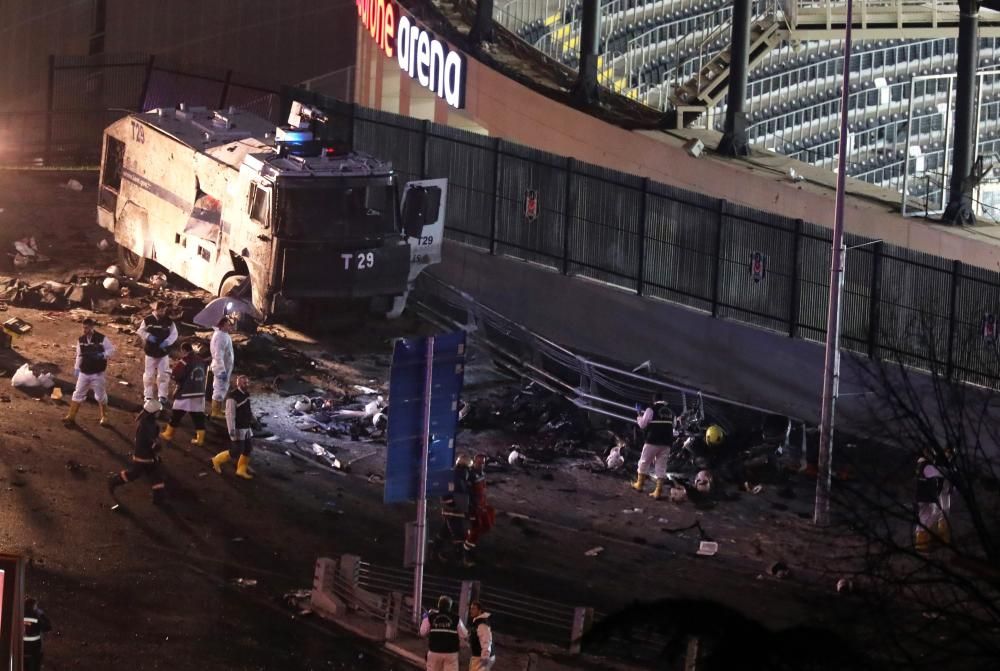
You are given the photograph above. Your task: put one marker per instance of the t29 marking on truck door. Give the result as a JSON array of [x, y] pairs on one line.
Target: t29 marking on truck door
[[365, 260], [138, 132]]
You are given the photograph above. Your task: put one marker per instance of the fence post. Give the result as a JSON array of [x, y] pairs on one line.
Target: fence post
[[141, 104], [956, 276], [50, 101], [567, 215], [351, 125], [795, 294], [225, 89], [347, 573], [394, 606], [425, 135], [496, 196], [716, 279], [875, 302], [469, 593], [583, 618], [641, 274]]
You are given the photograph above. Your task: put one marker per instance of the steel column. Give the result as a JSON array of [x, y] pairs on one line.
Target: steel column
[[734, 137], [482, 29], [585, 89], [959, 210]]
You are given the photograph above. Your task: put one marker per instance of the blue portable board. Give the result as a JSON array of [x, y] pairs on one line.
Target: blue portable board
[[406, 415]]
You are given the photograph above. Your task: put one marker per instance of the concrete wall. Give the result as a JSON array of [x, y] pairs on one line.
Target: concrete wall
[[281, 41], [726, 358]]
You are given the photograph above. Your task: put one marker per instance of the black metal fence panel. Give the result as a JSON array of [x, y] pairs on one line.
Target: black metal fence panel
[[468, 161], [680, 250]]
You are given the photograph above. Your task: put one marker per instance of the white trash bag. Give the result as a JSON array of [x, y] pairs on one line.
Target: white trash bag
[[25, 379]]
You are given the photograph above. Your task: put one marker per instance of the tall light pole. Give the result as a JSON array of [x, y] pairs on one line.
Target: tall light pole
[[831, 367]]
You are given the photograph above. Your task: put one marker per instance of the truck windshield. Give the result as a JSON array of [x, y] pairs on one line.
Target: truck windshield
[[322, 212]]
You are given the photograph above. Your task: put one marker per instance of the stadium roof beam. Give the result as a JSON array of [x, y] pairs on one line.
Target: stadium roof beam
[[881, 19]]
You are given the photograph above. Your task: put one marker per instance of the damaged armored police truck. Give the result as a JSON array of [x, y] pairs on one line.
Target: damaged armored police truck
[[272, 215]]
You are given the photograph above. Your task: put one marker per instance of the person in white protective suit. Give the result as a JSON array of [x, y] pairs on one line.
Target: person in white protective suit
[[933, 501], [158, 333], [222, 365], [93, 350]]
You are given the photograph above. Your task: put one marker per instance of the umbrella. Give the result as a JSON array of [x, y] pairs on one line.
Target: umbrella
[[225, 306]]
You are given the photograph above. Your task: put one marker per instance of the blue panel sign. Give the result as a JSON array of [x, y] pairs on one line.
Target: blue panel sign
[[406, 415]]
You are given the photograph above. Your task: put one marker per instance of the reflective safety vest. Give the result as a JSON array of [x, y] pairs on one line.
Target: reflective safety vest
[[92, 360], [443, 636], [660, 431]]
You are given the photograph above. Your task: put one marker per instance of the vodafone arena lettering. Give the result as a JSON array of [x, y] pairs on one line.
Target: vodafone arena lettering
[[419, 53]]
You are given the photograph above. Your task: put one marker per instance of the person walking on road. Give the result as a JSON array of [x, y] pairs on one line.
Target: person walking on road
[[933, 502], [145, 457], [221, 349], [480, 639], [239, 421], [657, 423], [93, 350], [36, 623], [444, 632], [191, 376], [158, 333]]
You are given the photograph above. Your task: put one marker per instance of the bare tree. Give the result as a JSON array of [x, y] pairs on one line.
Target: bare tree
[[938, 606]]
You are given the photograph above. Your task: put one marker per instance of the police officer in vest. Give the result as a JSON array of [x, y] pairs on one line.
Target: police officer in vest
[[36, 623], [158, 333], [444, 631], [239, 421], [658, 424], [191, 376], [93, 350], [480, 639]]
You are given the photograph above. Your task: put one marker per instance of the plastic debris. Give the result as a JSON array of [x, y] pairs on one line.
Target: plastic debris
[[515, 458], [245, 582], [593, 552], [632, 511], [707, 548], [365, 390], [57, 394], [615, 459], [24, 378], [73, 185], [111, 285], [104, 245]]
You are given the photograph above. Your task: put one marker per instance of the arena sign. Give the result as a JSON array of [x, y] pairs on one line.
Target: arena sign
[[419, 53]]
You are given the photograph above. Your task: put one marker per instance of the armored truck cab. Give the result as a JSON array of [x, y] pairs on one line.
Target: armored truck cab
[[240, 207]]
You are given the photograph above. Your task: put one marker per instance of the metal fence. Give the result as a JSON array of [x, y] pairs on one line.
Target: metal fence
[[726, 259]]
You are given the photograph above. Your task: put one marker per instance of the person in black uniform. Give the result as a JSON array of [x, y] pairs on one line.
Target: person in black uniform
[[444, 632], [158, 333], [239, 420], [454, 509], [145, 458], [36, 623]]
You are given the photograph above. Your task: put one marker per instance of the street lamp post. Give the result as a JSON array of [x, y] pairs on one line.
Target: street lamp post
[[831, 367]]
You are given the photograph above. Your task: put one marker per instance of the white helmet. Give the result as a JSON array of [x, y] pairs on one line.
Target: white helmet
[[152, 406]]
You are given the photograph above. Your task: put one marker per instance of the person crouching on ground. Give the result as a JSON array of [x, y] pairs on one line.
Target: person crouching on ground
[[239, 421], [93, 350], [145, 457], [190, 374], [444, 632]]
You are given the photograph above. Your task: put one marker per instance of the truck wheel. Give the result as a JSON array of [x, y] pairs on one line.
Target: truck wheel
[[131, 264], [237, 286]]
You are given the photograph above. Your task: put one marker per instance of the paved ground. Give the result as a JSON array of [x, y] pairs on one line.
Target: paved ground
[[147, 588]]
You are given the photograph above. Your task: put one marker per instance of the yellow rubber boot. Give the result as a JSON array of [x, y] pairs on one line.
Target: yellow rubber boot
[[103, 408], [241, 467], [70, 417], [639, 483], [217, 411], [199, 438], [922, 540], [218, 460], [168, 432], [942, 531], [657, 492]]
